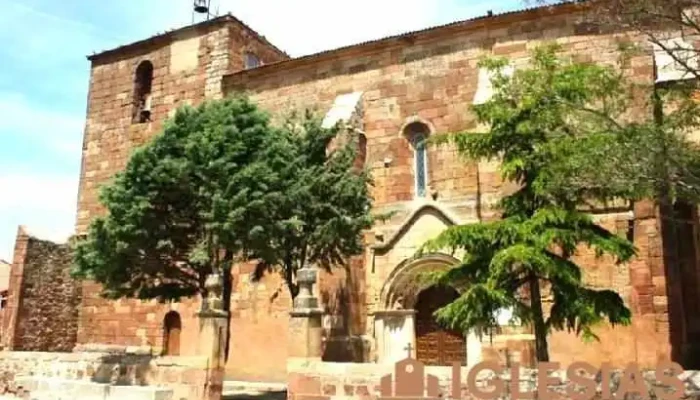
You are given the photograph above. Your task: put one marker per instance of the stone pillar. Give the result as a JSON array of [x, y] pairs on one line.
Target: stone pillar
[[394, 330], [305, 329], [213, 322]]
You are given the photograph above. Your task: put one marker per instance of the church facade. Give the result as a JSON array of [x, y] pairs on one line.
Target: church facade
[[401, 90]]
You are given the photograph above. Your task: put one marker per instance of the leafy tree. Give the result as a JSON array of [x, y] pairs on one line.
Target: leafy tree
[[510, 263], [652, 157], [327, 199], [188, 204], [222, 185]]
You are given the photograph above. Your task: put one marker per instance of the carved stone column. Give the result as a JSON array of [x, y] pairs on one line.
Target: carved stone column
[[212, 336], [305, 329]]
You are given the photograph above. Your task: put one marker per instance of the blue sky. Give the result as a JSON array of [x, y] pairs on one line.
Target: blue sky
[[44, 76]]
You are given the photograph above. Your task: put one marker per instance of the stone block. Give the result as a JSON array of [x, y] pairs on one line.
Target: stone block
[[62, 389], [139, 393]]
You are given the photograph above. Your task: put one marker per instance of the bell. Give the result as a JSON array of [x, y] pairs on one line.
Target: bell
[[200, 6]]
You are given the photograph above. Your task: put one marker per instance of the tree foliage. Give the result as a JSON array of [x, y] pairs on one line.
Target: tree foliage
[[187, 203], [532, 116], [326, 203], [652, 156], [221, 185]]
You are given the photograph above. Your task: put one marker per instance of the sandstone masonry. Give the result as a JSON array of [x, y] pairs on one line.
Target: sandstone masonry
[[427, 79]]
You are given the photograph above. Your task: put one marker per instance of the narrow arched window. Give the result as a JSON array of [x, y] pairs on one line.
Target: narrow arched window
[[417, 133], [251, 60], [361, 158], [172, 327], [143, 82]]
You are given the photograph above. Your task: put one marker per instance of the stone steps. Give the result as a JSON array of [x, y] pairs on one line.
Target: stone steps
[[64, 389], [243, 390], [254, 386]]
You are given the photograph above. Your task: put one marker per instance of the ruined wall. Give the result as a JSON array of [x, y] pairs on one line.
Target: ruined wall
[[432, 77], [43, 302]]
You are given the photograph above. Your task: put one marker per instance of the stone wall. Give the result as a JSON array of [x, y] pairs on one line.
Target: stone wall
[[186, 376], [43, 304], [432, 77], [324, 380]]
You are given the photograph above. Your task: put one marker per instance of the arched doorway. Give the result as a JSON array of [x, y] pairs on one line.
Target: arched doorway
[[172, 326], [436, 345]]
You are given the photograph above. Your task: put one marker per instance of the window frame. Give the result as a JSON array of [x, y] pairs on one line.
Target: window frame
[[412, 132]]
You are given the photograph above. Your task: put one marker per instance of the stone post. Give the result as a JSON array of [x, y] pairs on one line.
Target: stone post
[[212, 336], [305, 330]]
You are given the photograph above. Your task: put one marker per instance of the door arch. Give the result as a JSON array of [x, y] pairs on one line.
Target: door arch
[[435, 344], [172, 327]]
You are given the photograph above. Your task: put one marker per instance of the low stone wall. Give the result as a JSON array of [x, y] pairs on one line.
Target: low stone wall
[[317, 380], [186, 376]]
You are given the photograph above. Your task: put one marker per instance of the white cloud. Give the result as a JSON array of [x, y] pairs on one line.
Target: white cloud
[[44, 203]]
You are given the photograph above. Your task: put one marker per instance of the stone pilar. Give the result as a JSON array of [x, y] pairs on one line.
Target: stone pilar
[[305, 329], [213, 321]]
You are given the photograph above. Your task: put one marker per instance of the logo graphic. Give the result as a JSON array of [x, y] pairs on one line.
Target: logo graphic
[[409, 381]]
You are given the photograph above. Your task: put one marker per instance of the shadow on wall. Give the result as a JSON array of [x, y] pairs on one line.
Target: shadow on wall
[[120, 370], [679, 232], [342, 300]]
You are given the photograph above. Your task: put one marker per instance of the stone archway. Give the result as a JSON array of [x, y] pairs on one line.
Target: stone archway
[[172, 326], [409, 278], [404, 318]]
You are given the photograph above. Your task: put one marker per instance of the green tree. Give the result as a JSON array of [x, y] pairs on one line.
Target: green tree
[[222, 185], [511, 262], [327, 201], [187, 204]]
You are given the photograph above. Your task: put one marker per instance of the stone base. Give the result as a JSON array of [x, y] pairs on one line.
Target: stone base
[[305, 333], [347, 349], [63, 389]]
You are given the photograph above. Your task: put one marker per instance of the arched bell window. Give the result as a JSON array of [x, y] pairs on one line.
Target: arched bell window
[[417, 133], [143, 82], [172, 327], [361, 158]]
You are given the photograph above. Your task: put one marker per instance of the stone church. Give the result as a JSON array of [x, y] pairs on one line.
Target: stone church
[[402, 89]]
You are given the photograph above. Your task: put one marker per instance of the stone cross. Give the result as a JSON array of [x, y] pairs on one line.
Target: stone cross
[[408, 348]]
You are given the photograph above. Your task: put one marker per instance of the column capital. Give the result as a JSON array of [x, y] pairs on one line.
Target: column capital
[[306, 278]]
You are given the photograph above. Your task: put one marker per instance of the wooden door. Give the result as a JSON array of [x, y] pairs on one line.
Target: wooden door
[[436, 345], [173, 327]]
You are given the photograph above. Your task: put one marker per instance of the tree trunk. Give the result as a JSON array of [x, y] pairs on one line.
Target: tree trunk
[[227, 291], [541, 350], [289, 279]]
